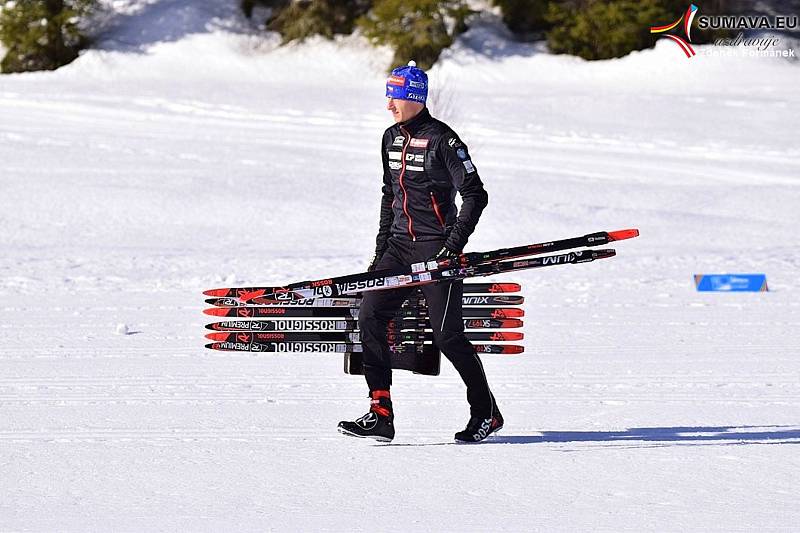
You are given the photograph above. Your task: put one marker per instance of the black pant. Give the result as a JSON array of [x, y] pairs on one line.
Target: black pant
[[444, 306]]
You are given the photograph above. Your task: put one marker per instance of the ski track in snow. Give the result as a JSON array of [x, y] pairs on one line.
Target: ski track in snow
[[638, 405]]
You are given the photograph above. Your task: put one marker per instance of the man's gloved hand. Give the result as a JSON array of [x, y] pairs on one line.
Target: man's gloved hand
[[444, 253], [374, 263]]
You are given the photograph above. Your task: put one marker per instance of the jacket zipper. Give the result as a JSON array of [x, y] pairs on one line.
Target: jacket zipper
[[402, 186], [435, 205]]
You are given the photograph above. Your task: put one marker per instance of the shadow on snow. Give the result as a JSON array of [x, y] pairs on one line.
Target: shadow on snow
[[167, 21], [723, 435]]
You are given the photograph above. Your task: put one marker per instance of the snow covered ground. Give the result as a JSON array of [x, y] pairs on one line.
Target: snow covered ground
[[187, 153]]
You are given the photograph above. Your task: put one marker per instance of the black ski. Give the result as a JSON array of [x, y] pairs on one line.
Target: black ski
[[380, 281], [353, 303], [350, 325], [340, 347], [352, 314], [353, 337], [469, 288], [354, 283]]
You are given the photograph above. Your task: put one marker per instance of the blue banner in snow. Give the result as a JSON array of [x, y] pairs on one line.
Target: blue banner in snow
[[731, 282]]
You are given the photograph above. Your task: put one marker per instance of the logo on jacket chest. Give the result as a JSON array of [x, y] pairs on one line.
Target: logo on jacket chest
[[413, 160]]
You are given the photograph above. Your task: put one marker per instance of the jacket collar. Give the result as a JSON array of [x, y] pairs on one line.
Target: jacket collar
[[420, 118]]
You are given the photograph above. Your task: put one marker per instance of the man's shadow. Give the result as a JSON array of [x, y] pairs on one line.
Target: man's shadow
[[664, 436], [661, 434]]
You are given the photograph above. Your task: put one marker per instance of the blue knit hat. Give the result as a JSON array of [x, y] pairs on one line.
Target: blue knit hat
[[408, 83]]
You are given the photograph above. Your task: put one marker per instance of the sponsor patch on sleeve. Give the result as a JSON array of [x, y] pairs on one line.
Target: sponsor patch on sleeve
[[461, 153], [469, 166], [453, 142]]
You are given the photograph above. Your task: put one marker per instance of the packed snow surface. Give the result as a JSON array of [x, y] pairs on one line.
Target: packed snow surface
[[187, 151]]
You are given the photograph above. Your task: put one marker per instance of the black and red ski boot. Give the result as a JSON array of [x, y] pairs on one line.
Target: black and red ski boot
[[478, 428], [377, 424]]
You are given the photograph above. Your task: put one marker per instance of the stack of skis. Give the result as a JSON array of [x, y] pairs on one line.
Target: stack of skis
[[321, 315], [331, 325]]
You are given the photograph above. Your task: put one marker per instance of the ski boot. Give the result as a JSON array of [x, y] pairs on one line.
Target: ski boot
[[377, 424], [478, 428]]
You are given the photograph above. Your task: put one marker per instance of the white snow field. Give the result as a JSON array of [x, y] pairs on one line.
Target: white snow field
[[186, 152]]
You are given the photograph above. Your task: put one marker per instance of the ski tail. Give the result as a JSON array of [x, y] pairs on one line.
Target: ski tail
[[507, 349], [622, 234], [492, 323]]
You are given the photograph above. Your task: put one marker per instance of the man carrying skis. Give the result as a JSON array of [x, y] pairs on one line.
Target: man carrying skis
[[424, 165]]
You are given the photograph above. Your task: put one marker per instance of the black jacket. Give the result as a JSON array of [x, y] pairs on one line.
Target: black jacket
[[424, 165]]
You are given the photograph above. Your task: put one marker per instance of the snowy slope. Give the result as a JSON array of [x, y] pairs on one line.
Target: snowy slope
[[187, 152]]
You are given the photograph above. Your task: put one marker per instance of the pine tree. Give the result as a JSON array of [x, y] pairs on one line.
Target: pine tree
[[41, 34], [416, 29], [301, 19], [603, 29], [525, 18]]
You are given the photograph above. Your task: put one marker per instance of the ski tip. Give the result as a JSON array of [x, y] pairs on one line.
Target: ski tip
[[483, 323], [246, 296], [604, 253], [226, 302], [221, 293], [216, 311], [623, 234], [509, 349], [221, 346], [508, 313], [513, 349], [230, 336], [503, 287], [501, 336]]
